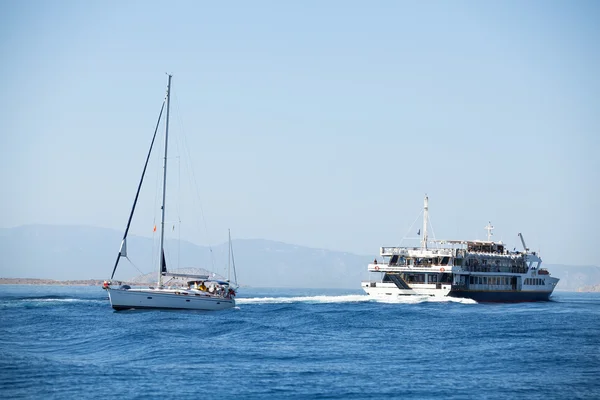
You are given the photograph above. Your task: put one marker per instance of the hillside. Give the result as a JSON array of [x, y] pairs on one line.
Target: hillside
[[76, 252], [67, 253]]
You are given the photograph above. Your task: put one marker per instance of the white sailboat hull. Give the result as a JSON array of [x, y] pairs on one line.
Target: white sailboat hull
[[123, 299]]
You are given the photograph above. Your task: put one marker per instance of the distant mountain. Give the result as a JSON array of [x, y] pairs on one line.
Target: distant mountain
[[81, 253], [575, 278]]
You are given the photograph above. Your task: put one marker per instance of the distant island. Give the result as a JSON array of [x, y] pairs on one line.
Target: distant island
[[32, 281], [591, 288]]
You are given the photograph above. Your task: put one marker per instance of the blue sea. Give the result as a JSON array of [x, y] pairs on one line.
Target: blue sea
[[66, 342]]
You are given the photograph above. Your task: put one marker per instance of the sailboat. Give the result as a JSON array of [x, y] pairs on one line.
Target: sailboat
[[199, 292]]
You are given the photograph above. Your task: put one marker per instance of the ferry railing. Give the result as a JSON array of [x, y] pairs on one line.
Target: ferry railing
[[405, 251], [403, 268]]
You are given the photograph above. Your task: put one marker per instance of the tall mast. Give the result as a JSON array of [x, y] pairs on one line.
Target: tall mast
[[425, 216], [229, 262], [161, 261]]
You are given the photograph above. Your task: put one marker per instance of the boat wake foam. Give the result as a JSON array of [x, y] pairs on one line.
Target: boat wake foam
[[423, 299], [354, 298], [52, 299]]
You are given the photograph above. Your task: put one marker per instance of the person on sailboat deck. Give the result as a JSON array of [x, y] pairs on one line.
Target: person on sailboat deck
[[202, 286]]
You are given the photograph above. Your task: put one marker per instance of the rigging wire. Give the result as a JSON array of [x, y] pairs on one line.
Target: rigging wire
[[178, 211], [411, 227], [194, 184], [433, 233], [135, 266]]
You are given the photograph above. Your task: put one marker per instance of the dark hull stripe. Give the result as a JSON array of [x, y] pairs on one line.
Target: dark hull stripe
[[501, 296]]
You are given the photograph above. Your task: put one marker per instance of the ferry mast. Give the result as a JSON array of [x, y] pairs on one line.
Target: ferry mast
[[425, 217]]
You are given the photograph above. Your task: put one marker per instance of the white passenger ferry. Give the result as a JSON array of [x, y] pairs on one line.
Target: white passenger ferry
[[482, 270]]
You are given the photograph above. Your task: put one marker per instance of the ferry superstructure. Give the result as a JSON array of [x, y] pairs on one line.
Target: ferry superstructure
[[482, 270]]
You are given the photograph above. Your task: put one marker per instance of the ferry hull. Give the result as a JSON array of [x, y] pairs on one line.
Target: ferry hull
[[125, 299], [386, 291]]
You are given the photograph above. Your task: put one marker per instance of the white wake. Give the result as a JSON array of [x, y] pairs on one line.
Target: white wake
[[416, 299], [354, 298]]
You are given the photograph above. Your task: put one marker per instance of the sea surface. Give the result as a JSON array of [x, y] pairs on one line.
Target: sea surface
[[66, 342]]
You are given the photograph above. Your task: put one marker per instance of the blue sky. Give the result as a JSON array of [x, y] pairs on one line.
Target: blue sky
[[315, 123]]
